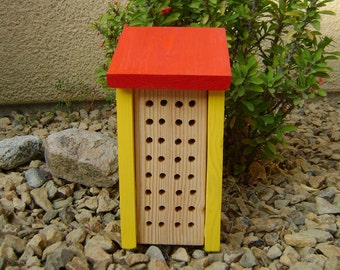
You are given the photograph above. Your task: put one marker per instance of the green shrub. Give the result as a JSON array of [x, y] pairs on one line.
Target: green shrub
[[277, 53]]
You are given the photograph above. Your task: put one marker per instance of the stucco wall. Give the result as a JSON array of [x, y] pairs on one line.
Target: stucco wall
[[330, 26], [46, 41]]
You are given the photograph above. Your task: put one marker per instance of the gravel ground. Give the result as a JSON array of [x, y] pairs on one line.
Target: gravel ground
[[287, 218]]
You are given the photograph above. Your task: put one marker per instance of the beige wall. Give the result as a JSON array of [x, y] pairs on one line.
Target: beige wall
[[46, 41], [330, 26]]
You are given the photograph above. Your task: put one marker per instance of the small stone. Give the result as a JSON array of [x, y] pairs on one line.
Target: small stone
[[327, 193], [217, 266], [76, 236], [100, 241], [156, 264], [105, 203], [236, 239], [59, 258], [41, 198], [198, 254], [95, 127], [328, 250], [332, 263], [266, 225], [248, 259], [135, 258], [51, 189], [155, 253], [289, 256], [325, 207], [38, 244], [319, 235], [19, 150], [52, 234], [274, 252], [279, 204], [49, 215], [271, 238], [297, 240], [14, 242], [77, 263], [97, 256], [19, 204], [34, 177], [180, 255], [60, 204], [215, 257]]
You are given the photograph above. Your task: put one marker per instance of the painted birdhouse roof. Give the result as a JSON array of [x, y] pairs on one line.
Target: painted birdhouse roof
[[184, 58]]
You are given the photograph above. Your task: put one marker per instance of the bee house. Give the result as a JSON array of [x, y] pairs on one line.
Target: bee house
[[170, 84]]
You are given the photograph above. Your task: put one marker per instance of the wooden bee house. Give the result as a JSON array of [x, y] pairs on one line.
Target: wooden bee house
[[170, 112]]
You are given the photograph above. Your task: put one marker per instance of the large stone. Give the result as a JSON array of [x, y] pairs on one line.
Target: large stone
[[84, 157], [19, 150]]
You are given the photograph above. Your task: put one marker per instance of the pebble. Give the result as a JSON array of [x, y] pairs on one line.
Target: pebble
[[290, 222], [34, 177]]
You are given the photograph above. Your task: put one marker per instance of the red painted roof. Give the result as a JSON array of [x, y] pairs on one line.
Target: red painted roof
[[185, 58]]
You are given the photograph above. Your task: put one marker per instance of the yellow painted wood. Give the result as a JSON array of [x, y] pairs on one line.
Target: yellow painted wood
[[214, 170], [126, 163]]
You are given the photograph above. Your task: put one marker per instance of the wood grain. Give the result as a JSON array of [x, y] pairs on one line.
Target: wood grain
[[170, 145]]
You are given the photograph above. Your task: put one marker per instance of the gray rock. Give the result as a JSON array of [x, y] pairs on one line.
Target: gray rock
[[59, 258], [156, 264], [40, 197], [274, 252], [180, 255], [328, 250], [198, 254], [84, 157], [319, 235], [248, 259], [155, 253], [34, 177], [19, 150], [298, 240], [217, 266], [325, 207], [135, 258], [327, 193], [332, 263], [15, 242], [97, 256], [105, 203]]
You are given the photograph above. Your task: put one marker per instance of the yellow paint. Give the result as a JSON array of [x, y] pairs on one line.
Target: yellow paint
[[214, 170], [126, 164]]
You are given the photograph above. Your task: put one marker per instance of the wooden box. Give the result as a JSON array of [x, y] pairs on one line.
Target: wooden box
[[170, 112]]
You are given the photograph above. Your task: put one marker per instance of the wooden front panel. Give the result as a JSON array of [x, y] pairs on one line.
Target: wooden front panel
[[170, 154]]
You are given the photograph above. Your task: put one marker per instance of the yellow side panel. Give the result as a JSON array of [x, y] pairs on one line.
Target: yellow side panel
[[214, 170], [126, 164]]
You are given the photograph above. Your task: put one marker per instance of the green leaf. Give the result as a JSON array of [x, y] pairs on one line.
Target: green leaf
[[173, 17], [249, 105], [288, 128]]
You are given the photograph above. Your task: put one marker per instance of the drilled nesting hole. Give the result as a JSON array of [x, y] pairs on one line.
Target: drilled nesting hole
[[149, 103], [164, 102]]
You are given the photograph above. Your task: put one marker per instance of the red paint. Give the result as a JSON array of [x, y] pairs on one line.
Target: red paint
[[185, 58]]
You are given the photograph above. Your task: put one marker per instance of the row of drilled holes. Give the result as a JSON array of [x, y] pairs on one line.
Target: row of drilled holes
[[163, 175], [177, 159], [177, 224], [162, 121], [164, 102], [177, 208], [162, 140], [178, 192]]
